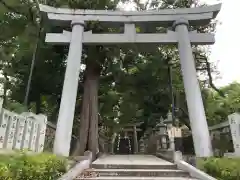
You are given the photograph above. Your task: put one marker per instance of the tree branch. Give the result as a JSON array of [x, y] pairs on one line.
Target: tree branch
[[30, 15], [139, 5], [208, 69], [146, 5], [184, 120], [10, 8], [211, 80]]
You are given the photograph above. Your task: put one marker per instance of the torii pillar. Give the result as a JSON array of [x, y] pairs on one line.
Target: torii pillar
[[69, 93], [198, 121]]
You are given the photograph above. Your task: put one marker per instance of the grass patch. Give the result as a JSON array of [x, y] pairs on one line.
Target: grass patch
[[21, 166], [221, 168]]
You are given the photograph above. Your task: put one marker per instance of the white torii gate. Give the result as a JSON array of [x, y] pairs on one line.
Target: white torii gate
[[178, 19]]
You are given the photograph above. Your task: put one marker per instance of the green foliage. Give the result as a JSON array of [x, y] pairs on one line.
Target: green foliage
[[221, 144], [218, 107], [20, 166], [16, 107], [221, 168]]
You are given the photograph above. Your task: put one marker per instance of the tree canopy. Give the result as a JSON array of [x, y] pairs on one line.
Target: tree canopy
[[217, 107]]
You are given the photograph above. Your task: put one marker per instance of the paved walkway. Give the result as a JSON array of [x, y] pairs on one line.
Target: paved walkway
[[131, 160]]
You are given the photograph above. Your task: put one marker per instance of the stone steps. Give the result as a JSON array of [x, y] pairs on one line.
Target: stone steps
[[137, 178], [130, 166], [140, 172], [133, 167]]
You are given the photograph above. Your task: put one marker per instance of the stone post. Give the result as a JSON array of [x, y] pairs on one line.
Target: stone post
[[177, 156], [69, 92], [146, 141], [159, 140], [201, 138], [171, 138], [1, 111], [135, 139], [113, 139], [170, 127], [141, 146], [234, 123]]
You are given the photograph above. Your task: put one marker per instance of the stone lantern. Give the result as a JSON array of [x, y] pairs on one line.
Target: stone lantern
[[169, 120], [162, 133], [155, 130], [161, 127], [169, 123]]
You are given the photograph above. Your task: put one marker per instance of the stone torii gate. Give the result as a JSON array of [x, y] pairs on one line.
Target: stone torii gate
[[178, 19], [133, 128]]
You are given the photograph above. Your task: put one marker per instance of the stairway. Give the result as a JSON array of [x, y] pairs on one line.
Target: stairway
[[134, 167]]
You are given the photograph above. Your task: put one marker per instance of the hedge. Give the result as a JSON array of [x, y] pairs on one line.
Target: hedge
[[221, 168], [20, 166]]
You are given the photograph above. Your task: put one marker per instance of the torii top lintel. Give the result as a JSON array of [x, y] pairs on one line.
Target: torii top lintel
[[163, 17]]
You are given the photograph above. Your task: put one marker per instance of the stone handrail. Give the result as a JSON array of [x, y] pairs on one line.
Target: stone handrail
[[194, 172], [79, 167]]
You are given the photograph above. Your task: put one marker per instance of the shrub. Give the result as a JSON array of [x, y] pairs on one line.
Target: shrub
[[222, 168], [20, 166]]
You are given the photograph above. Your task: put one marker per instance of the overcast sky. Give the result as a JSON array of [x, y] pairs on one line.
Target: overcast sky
[[225, 50]]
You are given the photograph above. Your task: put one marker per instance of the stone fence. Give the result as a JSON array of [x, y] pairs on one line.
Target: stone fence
[[26, 131], [226, 136], [22, 131]]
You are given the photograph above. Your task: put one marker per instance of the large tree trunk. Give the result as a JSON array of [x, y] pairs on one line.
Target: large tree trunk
[[84, 121], [113, 142], [93, 113], [88, 132]]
